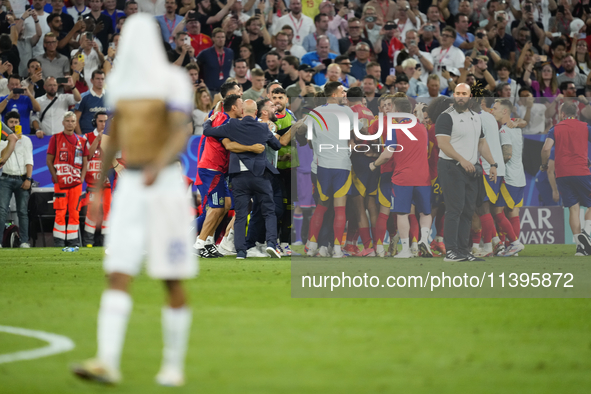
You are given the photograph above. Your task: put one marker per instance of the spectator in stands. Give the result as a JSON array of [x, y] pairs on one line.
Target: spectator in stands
[[447, 55], [382, 48], [428, 42], [347, 45], [289, 66], [258, 85], [39, 17], [406, 20], [35, 78], [504, 43], [464, 39], [321, 25], [26, 41], [433, 90], [302, 25], [304, 86], [480, 70], [546, 83], [111, 53], [53, 63], [242, 72], [203, 104], [67, 170], [295, 49], [571, 74], [110, 10], [208, 21], [21, 101], [337, 24], [64, 37], [434, 18], [103, 24], [273, 62], [536, 28], [233, 40], [533, 113], [411, 50], [362, 59], [168, 22], [319, 59], [52, 107], [503, 72], [199, 41], [401, 84], [369, 85], [347, 79], [92, 57], [77, 73], [558, 51], [131, 7], [281, 42], [67, 19], [482, 47], [92, 102], [580, 50], [373, 68], [523, 41], [184, 53], [416, 86], [257, 36], [79, 9], [16, 179], [333, 73], [216, 62], [247, 54], [372, 26]]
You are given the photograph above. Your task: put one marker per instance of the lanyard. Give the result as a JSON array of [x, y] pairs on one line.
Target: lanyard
[[443, 55], [384, 11], [229, 44], [170, 28], [297, 28]]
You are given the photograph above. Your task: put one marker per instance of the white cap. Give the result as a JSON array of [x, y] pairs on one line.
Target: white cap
[[454, 71], [576, 25]]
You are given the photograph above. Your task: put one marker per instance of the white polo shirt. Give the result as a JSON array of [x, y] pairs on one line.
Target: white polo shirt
[[52, 121]]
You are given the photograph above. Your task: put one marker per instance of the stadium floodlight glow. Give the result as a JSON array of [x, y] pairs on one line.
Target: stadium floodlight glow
[[345, 127]]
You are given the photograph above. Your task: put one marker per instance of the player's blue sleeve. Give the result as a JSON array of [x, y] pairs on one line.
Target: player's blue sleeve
[[589, 130], [551, 134], [551, 154], [392, 141]]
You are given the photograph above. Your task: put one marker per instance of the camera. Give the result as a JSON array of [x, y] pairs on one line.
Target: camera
[[527, 8], [18, 91], [475, 62], [480, 35], [429, 28], [560, 9], [370, 19]]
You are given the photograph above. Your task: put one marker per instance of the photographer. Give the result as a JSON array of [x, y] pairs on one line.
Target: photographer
[[16, 179], [89, 54], [482, 47], [411, 51], [184, 53], [479, 68], [504, 44], [536, 28], [19, 100]]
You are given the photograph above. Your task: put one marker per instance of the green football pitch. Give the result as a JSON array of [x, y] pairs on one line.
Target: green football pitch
[[250, 336]]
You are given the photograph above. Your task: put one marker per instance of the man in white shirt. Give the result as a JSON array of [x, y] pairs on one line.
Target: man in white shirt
[[78, 9], [152, 7], [447, 55], [16, 179], [38, 5], [302, 25], [334, 166], [407, 20], [93, 57], [48, 121], [530, 111]]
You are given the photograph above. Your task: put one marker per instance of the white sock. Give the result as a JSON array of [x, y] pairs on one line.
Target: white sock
[[312, 245], [337, 249], [438, 238], [231, 235], [199, 244], [404, 242], [209, 240], [414, 245], [379, 248], [176, 326], [476, 245], [496, 240], [112, 323], [588, 226], [576, 237], [425, 231], [488, 247]]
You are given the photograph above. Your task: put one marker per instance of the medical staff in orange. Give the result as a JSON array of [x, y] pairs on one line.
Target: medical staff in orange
[[67, 163]]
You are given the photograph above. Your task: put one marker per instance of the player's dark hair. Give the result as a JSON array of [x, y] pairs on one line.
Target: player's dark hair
[[95, 73], [318, 16], [226, 87], [230, 101], [331, 87], [279, 91], [402, 104], [507, 104], [355, 94], [260, 104], [437, 106]]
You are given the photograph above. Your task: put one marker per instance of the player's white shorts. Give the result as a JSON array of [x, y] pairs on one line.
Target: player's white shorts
[[154, 219]]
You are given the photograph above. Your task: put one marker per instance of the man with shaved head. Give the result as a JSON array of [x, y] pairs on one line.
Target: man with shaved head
[[250, 173], [461, 139]]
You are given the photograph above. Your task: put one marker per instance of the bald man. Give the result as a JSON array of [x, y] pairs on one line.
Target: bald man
[[250, 173], [461, 139]]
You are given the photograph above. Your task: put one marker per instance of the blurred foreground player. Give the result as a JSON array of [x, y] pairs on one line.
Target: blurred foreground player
[[151, 211]]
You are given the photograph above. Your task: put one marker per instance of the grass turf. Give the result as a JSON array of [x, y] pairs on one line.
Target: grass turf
[[250, 336]]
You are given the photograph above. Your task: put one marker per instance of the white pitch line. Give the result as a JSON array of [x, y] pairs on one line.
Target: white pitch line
[[57, 344]]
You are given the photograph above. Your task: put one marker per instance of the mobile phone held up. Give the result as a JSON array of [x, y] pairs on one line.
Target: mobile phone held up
[[61, 81], [18, 91]]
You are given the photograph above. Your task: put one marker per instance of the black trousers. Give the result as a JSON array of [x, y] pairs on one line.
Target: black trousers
[[246, 185], [460, 191], [256, 226]]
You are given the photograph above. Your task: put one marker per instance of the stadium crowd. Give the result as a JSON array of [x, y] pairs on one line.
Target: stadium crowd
[[532, 55]]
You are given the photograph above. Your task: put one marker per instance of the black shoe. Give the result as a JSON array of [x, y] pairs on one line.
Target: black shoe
[[585, 241], [206, 254], [471, 257], [453, 256], [213, 250], [581, 251]]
